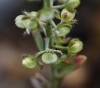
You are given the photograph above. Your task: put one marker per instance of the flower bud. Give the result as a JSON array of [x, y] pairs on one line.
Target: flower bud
[[67, 15], [72, 4], [75, 46], [46, 14], [62, 30], [29, 62], [49, 58]]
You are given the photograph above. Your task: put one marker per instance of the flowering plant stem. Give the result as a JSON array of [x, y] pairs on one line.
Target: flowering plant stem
[[37, 38], [53, 78], [46, 3], [51, 48]]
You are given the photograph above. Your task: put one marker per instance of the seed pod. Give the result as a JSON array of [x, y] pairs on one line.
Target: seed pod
[[22, 23], [49, 58], [26, 23], [33, 25], [62, 30], [46, 14], [72, 4], [19, 21], [33, 14], [29, 62], [75, 46], [67, 15]]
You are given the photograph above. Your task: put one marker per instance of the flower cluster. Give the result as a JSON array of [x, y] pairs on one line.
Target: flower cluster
[[55, 35]]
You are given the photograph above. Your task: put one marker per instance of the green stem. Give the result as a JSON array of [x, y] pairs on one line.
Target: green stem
[[61, 74], [39, 54], [53, 23], [59, 47], [46, 3], [51, 2], [47, 39], [49, 34], [53, 30], [53, 78], [58, 6], [41, 24]]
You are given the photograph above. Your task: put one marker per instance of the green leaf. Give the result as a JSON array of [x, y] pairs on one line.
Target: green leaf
[[38, 39], [62, 58], [65, 70]]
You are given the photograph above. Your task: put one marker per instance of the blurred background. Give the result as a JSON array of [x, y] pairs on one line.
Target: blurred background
[[13, 44]]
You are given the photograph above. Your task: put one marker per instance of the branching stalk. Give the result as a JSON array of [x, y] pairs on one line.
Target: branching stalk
[[58, 6], [46, 3]]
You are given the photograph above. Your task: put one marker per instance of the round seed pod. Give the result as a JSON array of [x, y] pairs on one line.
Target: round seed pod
[[33, 25], [67, 15], [49, 58], [62, 30], [72, 4], [29, 62], [75, 46], [33, 14], [46, 14], [26, 23], [22, 23], [19, 21]]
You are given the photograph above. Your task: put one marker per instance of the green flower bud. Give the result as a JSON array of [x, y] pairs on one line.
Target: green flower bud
[[72, 4], [29, 62], [62, 30], [67, 15], [49, 58], [46, 14], [75, 46]]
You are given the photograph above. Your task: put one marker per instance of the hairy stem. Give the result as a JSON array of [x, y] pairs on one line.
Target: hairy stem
[[53, 23], [53, 78], [47, 39]]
